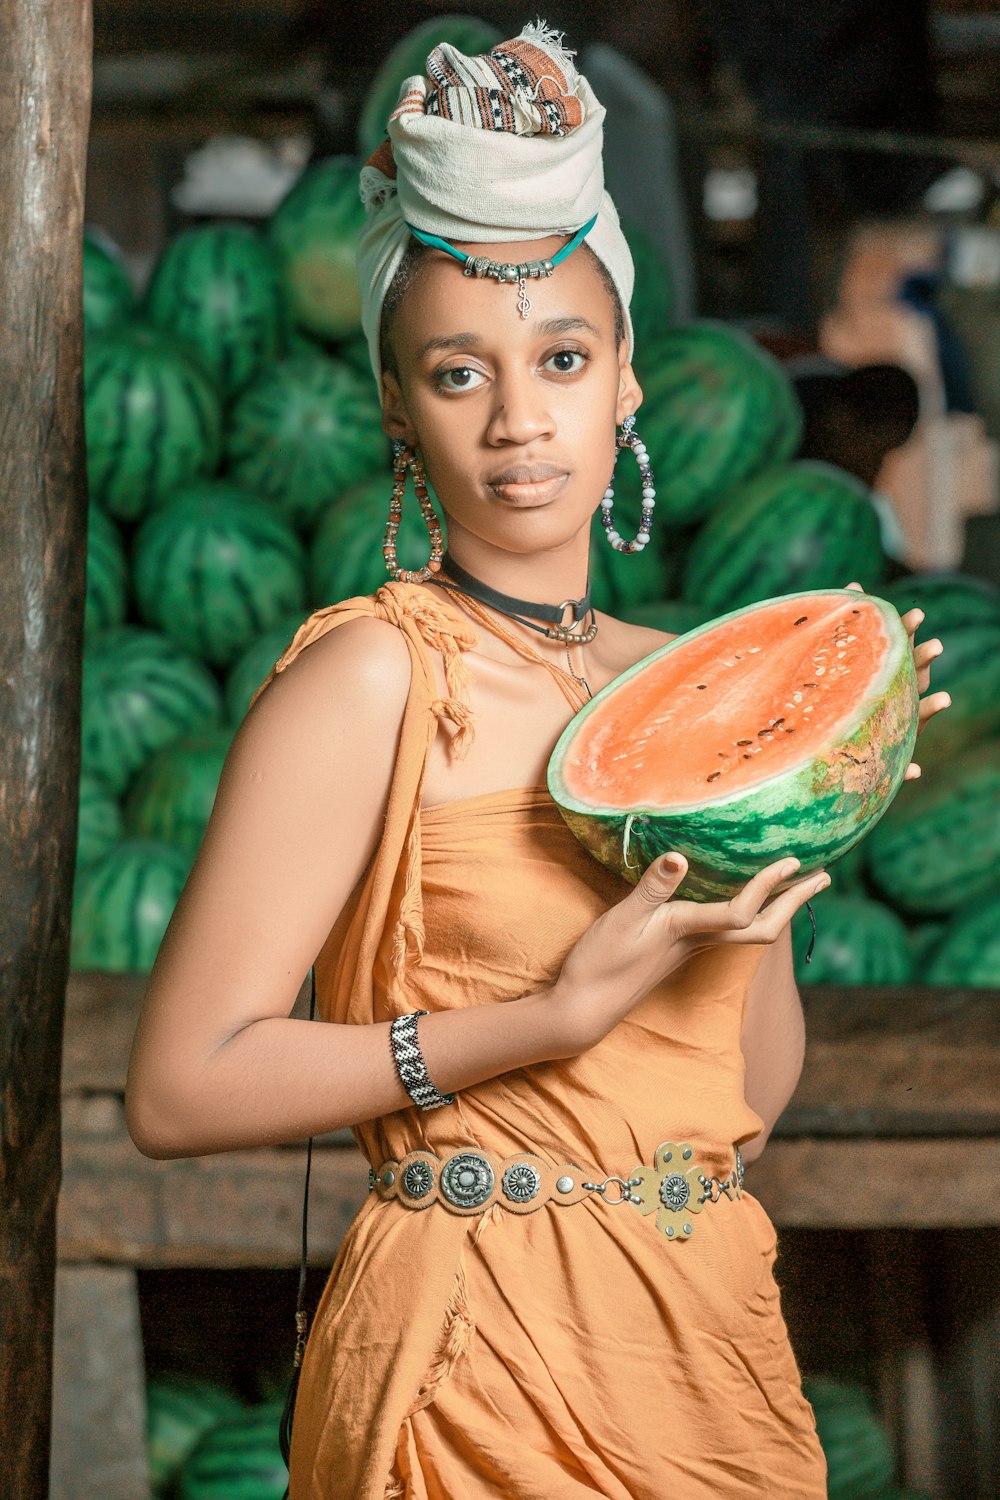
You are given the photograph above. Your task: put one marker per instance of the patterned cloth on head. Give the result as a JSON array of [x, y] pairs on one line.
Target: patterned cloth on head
[[505, 147]]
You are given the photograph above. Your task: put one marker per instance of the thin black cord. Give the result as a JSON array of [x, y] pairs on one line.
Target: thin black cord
[[301, 1320]]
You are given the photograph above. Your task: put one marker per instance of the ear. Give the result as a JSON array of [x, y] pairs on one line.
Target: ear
[[629, 389], [395, 419]]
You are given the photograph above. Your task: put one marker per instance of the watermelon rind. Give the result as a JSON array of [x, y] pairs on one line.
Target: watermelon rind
[[814, 814], [179, 1408], [252, 667], [99, 818], [940, 848], [408, 57], [800, 526], [858, 941], [107, 573], [237, 1459], [962, 612], [122, 904], [314, 232], [172, 797], [108, 295], [967, 950]]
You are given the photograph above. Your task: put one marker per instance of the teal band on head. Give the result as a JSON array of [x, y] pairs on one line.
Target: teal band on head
[[439, 244]]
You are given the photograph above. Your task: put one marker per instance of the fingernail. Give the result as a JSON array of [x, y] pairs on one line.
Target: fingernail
[[789, 867], [821, 885]]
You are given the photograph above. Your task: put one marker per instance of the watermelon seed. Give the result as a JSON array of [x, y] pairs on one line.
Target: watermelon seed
[[764, 731], [743, 742], [702, 685], [789, 731], [775, 722], [746, 755], [810, 684], [855, 611], [802, 620], [713, 776]]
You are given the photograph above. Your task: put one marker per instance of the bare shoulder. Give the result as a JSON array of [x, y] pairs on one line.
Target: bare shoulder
[[362, 666], [628, 644]]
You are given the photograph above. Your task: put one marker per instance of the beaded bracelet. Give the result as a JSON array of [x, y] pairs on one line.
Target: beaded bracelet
[[410, 1063]]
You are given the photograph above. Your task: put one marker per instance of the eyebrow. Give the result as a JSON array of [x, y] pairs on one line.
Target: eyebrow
[[545, 329]]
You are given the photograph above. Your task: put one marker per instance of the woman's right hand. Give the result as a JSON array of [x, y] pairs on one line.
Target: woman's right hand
[[641, 940]]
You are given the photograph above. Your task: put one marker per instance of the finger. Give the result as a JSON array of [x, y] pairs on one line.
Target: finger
[[738, 913], [659, 880], [912, 772], [935, 704], [856, 586], [778, 912]]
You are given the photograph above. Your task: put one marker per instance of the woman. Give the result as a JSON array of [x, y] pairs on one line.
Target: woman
[[500, 1321]]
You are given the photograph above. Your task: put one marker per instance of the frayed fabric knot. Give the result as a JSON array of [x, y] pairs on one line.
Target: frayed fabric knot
[[460, 714]]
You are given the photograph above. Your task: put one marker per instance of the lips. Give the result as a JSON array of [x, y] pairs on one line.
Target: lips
[[528, 483]]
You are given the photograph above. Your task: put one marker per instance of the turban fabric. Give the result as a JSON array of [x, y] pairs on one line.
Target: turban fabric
[[505, 147]]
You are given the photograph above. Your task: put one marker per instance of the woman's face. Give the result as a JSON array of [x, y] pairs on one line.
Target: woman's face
[[484, 392]]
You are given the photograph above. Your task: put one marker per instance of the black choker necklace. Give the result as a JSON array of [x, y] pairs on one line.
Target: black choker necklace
[[507, 605]]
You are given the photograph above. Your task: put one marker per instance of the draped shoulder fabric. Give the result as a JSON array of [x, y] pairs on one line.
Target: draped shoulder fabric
[[573, 1351]]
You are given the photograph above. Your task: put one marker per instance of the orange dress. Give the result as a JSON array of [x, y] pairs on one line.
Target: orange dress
[[572, 1351]]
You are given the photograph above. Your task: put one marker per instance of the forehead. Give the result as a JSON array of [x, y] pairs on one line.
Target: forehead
[[442, 299]]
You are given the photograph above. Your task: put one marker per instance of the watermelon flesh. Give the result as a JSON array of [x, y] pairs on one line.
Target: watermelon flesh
[[781, 729]]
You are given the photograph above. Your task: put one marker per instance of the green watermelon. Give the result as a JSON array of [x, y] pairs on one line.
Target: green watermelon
[[409, 56], [968, 949], [925, 939], [314, 231], [345, 555], [172, 797], [107, 573], [250, 669], [716, 408], [849, 870], [652, 305], [307, 430], [99, 822], [122, 904], [940, 845], [153, 419], [108, 296], [858, 941], [673, 616], [964, 614], [237, 1459], [860, 1461], [634, 773], [179, 1408], [217, 287], [621, 580], [215, 567], [797, 526], [140, 691]]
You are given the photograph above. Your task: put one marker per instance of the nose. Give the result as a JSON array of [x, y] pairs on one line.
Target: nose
[[520, 413]]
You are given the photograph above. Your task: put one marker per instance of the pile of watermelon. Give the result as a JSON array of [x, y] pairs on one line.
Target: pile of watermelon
[[240, 479], [204, 1443], [860, 1461]]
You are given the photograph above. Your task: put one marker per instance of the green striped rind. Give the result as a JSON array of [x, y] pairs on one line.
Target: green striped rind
[[409, 56], [940, 845], [967, 950], [304, 432], [153, 418], [179, 1408], [252, 667], [172, 797], [345, 555], [140, 691], [858, 941], [215, 567], [620, 580], [238, 1459], [964, 614], [673, 616], [107, 573], [652, 306], [716, 408], [805, 525], [122, 904], [99, 822], [108, 297], [815, 812], [859, 1457], [217, 287], [315, 231]]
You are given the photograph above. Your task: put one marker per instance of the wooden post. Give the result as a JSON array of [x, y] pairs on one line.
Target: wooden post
[[44, 120]]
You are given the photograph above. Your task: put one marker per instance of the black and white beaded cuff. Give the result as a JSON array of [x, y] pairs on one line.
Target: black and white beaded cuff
[[410, 1063]]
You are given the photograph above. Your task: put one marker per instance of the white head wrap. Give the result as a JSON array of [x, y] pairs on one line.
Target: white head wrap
[[523, 175]]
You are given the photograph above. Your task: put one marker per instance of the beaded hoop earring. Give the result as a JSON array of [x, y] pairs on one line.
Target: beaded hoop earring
[[402, 458], [628, 438]]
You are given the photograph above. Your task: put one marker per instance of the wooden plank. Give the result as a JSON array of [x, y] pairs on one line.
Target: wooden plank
[[243, 1208], [879, 1062], [858, 1184]]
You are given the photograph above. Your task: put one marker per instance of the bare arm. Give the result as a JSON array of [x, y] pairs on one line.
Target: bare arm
[[772, 1039], [217, 1061]]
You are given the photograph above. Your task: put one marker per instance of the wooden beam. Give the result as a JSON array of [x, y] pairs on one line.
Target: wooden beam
[[44, 113]]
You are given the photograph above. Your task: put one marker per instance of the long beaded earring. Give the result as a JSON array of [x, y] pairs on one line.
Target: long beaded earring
[[402, 458], [628, 438]]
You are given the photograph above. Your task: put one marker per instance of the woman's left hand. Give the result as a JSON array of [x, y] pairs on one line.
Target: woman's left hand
[[923, 655]]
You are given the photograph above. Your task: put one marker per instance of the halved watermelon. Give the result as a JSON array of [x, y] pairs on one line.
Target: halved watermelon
[[784, 728]]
